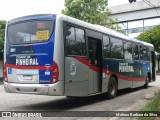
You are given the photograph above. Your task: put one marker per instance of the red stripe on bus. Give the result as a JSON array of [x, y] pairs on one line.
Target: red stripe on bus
[[29, 67], [123, 76], [86, 62], [82, 60], [96, 69]]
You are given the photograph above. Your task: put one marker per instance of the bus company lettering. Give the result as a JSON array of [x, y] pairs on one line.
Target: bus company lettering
[[124, 67], [26, 60]]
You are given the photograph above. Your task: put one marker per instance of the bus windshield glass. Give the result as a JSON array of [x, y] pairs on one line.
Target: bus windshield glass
[[30, 32]]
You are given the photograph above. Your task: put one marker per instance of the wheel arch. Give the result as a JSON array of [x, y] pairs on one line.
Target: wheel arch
[[112, 86]]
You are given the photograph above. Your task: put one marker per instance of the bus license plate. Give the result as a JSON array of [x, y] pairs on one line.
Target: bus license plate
[[27, 77]]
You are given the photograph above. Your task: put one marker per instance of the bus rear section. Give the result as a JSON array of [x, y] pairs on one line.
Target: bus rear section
[[29, 65]]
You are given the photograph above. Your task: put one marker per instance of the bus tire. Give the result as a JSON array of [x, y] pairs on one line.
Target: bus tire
[[112, 88], [146, 82]]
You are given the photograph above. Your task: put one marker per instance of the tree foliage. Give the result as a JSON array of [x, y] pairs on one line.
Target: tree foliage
[[152, 36], [92, 11], [2, 36]]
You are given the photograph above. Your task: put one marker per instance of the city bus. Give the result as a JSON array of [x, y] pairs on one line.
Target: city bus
[[57, 55]]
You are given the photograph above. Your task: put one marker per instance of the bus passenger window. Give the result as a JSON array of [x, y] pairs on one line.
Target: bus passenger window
[[136, 52], [70, 38], [106, 47], [145, 53], [128, 50], [116, 48], [141, 52], [80, 38], [75, 42]]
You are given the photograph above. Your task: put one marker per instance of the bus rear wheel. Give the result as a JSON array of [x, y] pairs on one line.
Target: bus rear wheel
[[112, 88]]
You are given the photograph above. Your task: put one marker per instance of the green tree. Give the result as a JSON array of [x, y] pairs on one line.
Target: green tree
[[152, 36], [2, 35], [92, 11]]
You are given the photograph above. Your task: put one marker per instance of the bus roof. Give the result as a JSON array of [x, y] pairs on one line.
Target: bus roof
[[103, 29], [98, 28], [141, 42], [31, 17]]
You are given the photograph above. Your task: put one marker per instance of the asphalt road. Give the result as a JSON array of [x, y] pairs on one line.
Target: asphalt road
[[127, 100]]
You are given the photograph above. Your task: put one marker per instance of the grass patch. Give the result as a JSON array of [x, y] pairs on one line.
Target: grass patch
[[153, 105]]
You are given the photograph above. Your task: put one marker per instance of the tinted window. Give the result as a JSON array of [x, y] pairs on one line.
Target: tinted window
[[106, 47], [75, 41], [136, 52], [141, 52], [29, 32], [145, 53], [128, 50], [116, 48]]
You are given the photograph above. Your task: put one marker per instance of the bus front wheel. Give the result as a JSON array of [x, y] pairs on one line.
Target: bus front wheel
[[112, 88]]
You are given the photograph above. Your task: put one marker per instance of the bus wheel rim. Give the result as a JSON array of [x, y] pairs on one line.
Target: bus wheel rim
[[112, 89]]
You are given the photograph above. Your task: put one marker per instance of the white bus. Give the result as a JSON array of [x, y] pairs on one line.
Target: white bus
[[59, 55]]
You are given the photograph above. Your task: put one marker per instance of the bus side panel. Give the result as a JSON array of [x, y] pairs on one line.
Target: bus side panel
[[58, 88], [112, 67], [76, 76], [105, 79], [142, 68], [129, 74]]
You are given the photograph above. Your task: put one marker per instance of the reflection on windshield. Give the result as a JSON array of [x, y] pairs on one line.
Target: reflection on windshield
[[29, 32]]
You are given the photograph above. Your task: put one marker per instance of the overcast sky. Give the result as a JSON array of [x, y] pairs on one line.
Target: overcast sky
[[10, 9], [15, 8]]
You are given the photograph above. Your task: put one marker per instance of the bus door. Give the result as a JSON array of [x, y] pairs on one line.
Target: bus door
[[153, 60], [95, 65]]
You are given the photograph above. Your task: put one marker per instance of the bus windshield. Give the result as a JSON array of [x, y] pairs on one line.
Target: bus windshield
[[30, 32]]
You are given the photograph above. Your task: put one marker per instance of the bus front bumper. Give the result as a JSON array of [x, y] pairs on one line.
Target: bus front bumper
[[41, 89]]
